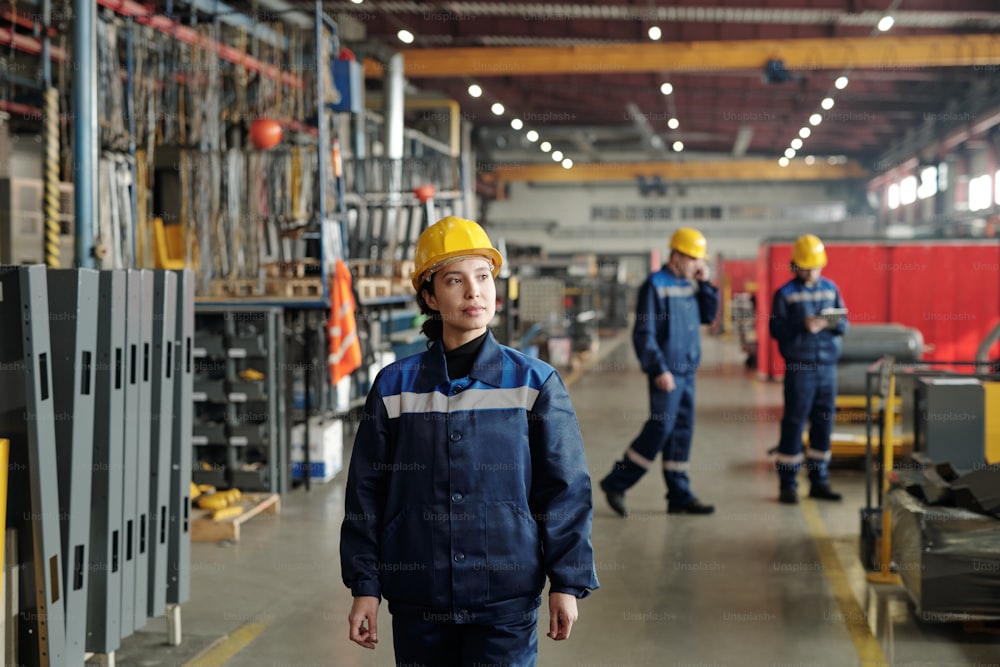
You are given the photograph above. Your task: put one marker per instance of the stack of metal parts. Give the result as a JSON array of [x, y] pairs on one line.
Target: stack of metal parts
[[97, 372], [864, 344]]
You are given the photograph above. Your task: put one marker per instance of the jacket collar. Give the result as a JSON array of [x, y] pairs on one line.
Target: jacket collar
[[488, 367]]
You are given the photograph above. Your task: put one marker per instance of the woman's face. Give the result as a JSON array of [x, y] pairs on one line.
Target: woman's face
[[466, 297]]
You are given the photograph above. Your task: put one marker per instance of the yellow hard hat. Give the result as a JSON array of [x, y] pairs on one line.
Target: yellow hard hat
[[808, 252], [689, 241], [450, 238]]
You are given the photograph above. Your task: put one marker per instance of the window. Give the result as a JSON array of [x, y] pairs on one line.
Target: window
[[908, 190], [928, 183], [892, 196], [980, 192]]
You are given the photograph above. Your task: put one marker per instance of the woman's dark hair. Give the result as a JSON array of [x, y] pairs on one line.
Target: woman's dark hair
[[432, 327]]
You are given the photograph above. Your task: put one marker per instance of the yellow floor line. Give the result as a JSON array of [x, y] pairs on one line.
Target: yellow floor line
[[228, 646], [867, 646]]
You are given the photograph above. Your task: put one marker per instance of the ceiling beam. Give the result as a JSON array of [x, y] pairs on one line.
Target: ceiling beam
[[730, 170], [879, 53]]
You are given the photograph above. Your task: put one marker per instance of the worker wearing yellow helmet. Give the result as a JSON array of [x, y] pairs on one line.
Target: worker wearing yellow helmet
[[450, 513], [808, 319], [672, 304]]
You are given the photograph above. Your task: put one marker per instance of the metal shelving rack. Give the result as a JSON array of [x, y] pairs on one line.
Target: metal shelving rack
[[240, 424]]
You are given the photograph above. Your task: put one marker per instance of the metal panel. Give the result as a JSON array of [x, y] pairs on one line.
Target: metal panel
[[73, 304], [28, 419], [179, 529], [161, 440], [130, 447], [140, 591], [104, 586]]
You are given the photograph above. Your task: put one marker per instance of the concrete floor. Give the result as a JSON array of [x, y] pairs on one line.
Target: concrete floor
[[757, 583]]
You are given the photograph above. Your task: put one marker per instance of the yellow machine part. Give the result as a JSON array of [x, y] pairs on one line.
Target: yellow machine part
[[851, 444], [992, 440], [227, 513]]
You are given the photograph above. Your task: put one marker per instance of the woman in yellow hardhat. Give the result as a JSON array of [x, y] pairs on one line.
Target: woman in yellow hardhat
[[808, 337], [467, 486]]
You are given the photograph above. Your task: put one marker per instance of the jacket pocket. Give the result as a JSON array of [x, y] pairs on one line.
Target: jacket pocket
[[405, 563], [513, 553]]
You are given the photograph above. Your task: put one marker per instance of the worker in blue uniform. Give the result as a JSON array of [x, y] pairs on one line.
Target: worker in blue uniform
[[809, 340], [467, 486], [672, 305]]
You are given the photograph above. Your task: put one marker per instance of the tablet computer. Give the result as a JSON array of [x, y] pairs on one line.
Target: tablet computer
[[833, 315]]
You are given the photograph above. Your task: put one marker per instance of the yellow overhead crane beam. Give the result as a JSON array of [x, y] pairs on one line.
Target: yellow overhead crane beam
[[833, 53], [728, 170]]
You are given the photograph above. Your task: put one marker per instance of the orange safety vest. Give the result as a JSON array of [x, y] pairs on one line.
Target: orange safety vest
[[345, 348]]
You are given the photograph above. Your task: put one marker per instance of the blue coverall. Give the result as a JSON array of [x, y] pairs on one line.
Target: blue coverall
[[810, 376], [667, 337], [463, 496]]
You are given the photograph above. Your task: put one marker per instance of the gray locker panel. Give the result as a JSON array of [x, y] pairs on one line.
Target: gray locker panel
[[161, 440], [179, 529], [33, 503], [130, 447], [104, 585], [73, 314], [140, 592]]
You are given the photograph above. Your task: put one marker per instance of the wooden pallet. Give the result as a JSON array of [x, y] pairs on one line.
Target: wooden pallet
[[296, 269], [373, 288], [206, 529], [234, 288], [294, 287]]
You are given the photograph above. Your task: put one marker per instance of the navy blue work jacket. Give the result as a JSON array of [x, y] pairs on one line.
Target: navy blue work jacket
[[464, 495], [793, 302], [668, 315]]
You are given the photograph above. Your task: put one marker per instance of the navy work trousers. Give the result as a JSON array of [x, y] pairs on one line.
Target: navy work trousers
[[810, 393], [426, 642], [669, 430]]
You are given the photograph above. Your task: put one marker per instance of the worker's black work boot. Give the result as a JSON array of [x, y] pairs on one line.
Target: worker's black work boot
[[693, 507], [616, 499], [788, 497], [823, 492]]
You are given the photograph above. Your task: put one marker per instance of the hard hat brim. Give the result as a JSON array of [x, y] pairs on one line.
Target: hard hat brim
[[421, 274]]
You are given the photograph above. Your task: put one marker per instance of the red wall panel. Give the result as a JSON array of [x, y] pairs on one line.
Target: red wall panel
[[950, 291], [739, 272]]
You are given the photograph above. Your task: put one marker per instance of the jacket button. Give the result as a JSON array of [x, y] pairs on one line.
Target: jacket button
[[459, 557], [457, 497], [455, 436]]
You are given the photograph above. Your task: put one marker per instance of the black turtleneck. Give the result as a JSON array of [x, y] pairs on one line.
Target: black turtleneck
[[461, 359]]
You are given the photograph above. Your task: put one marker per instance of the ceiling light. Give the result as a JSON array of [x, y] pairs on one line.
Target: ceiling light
[[666, 88], [810, 159], [827, 103], [497, 109], [841, 82], [532, 136], [789, 153], [678, 146], [567, 163], [516, 123], [886, 23], [655, 33], [545, 146], [673, 123], [796, 143], [815, 119], [557, 156], [832, 159], [475, 90], [405, 36], [357, 2], [783, 161], [805, 132]]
